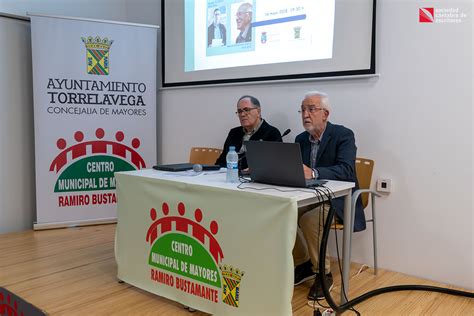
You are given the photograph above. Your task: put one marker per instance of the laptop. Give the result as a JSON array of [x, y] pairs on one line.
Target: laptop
[[278, 163], [185, 166]]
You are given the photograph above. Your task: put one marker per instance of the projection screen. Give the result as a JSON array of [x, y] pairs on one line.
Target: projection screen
[[230, 41]]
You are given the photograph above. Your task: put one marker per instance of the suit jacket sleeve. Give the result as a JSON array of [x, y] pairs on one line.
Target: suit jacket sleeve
[[343, 168]]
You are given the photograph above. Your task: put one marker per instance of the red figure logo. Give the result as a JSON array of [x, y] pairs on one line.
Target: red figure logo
[[426, 15], [185, 225], [96, 147]]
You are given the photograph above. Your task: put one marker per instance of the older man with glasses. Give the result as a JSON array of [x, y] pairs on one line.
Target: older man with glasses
[[328, 152], [252, 127], [244, 23]]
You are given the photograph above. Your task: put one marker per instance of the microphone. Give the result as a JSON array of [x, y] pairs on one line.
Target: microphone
[[197, 168], [285, 133]]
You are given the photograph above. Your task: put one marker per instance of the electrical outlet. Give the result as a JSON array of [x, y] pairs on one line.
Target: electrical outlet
[[384, 185]]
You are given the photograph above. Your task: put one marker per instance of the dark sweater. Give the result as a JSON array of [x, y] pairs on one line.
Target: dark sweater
[[265, 132]]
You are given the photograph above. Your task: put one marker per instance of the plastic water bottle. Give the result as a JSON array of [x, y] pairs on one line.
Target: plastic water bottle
[[232, 165]]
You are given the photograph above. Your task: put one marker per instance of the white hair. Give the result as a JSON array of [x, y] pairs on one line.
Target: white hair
[[323, 97], [246, 7]]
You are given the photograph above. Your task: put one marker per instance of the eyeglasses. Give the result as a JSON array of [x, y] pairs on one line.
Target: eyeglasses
[[241, 14], [310, 109], [244, 110]]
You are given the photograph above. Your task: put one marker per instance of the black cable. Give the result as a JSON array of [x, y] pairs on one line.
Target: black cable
[[365, 296], [245, 181], [320, 194], [343, 288], [328, 194], [324, 194]]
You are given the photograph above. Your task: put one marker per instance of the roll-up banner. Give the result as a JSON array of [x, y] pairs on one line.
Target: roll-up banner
[[94, 85]]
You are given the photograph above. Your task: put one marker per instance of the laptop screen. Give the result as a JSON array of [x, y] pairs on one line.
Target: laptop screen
[[275, 163]]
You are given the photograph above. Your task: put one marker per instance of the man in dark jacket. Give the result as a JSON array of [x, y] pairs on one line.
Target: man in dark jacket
[[252, 127], [328, 152], [216, 30]]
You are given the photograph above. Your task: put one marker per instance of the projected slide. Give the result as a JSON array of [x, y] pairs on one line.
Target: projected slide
[[232, 33]]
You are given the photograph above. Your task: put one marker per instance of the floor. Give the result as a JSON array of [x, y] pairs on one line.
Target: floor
[[73, 272]]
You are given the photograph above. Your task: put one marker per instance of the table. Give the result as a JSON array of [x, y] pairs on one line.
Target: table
[[207, 244]]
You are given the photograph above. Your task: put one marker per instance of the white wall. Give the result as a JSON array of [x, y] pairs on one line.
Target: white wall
[[415, 121]]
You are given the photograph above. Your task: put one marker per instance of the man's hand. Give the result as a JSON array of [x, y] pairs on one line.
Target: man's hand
[[308, 172], [245, 172]]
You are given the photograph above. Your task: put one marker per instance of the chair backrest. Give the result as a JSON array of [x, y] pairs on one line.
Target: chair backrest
[[364, 168], [204, 155]]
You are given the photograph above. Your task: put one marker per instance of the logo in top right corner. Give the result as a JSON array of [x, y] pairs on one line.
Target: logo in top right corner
[[441, 15], [426, 15]]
